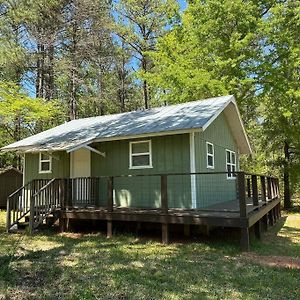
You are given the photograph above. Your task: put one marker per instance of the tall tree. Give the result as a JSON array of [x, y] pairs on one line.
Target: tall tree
[[140, 24], [280, 77], [213, 52]]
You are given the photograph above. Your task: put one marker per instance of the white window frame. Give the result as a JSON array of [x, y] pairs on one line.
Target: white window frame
[[44, 161], [131, 155], [231, 164], [210, 155]]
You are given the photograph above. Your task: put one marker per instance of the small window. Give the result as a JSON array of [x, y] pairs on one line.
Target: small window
[[230, 163], [140, 155], [45, 163], [210, 158]]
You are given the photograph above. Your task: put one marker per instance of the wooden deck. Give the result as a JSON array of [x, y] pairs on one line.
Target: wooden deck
[[224, 215], [257, 202]]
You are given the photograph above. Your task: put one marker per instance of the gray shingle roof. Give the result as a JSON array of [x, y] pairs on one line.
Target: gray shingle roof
[[173, 118]]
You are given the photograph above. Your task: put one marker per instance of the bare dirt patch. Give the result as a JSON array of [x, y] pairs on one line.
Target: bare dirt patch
[[275, 261]]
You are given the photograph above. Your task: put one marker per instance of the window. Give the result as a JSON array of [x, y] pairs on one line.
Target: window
[[210, 152], [230, 163], [45, 164], [140, 155]]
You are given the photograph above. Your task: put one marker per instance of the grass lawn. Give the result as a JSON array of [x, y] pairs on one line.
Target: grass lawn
[[90, 266]]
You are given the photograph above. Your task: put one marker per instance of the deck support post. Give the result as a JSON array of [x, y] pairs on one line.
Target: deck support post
[[245, 242], [279, 210], [165, 233], [109, 229], [186, 229], [275, 213], [271, 219], [257, 229], [62, 224]]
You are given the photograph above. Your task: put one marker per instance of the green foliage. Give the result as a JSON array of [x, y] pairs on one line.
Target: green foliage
[[21, 116], [210, 54]]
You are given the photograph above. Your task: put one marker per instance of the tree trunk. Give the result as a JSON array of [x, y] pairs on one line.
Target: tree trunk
[[145, 85], [286, 177], [72, 114], [50, 75]]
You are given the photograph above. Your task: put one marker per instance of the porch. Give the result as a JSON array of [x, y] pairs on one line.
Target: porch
[[250, 201]]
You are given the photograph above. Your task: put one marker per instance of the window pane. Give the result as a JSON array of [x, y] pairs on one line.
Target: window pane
[[210, 161], [45, 157], [45, 166], [209, 148], [233, 158], [229, 170], [140, 147], [233, 170], [141, 160], [228, 156]]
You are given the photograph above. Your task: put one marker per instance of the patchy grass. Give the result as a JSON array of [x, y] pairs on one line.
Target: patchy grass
[[89, 266]]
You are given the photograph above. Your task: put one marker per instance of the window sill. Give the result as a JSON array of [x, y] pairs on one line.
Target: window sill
[[210, 167], [140, 167], [45, 172]]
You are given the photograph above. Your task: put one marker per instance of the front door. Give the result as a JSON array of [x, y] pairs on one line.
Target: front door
[[80, 171]]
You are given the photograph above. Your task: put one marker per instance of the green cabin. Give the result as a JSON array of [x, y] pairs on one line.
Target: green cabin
[[185, 141]]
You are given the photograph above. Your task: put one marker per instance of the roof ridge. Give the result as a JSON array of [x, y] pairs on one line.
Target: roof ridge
[[152, 108]]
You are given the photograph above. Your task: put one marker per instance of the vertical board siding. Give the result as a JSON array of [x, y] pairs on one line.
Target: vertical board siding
[[60, 166], [170, 154], [213, 189]]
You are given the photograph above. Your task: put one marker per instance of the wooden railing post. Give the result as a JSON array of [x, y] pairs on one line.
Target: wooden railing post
[[263, 188], [31, 215], [248, 187], [242, 194], [254, 190], [110, 198], [62, 193], [164, 193], [8, 215], [269, 188]]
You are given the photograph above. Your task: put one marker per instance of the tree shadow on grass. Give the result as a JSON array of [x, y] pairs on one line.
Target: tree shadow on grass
[[89, 266]]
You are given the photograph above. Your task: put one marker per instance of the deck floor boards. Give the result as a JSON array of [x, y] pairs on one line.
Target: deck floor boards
[[226, 213]]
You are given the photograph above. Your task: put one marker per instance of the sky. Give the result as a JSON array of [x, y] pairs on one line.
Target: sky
[[182, 4]]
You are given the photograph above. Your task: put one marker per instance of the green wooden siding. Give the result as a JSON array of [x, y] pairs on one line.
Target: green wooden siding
[[212, 189], [170, 154], [60, 166]]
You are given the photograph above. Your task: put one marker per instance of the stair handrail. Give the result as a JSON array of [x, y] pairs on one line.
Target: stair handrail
[[36, 216], [17, 209]]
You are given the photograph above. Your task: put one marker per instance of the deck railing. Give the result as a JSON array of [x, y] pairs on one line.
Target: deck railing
[[172, 191], [237, 192]]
